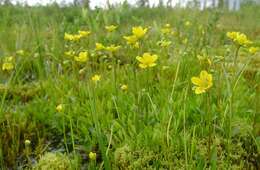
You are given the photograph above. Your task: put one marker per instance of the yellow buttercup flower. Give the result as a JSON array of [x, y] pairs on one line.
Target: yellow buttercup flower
[[76, 37], [253, 50], [100, 46], [71, 37], [203, 82], [124, 87], [68, 37], [96, 78], [84, 33], [7, 66], [92, 156], [147, 60], [164, 43], [59, 108], [132, 40], [83, 57], [139, 32], [111, 28], [113, 48], [239, 38]]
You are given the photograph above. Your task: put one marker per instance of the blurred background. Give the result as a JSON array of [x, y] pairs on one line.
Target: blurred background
[[202, 4]]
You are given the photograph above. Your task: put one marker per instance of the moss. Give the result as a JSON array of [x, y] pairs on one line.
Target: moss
[[54, 161]]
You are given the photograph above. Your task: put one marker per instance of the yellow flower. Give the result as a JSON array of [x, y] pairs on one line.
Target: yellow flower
[[239, 38], [139, 32], [147, 60], [124, 87], [76, 37], [59, 108], [132, 40], [92, 156], [113, 48], [96, 78], [100, 46], [203, 82], [83, 57], [68, 37], [166, 30], [84, 33], [253, 50], [7, 66], [71, 37], [111, 28], [164, 43]]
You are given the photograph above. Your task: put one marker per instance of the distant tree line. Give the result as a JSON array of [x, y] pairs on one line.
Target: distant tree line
[[231, 4]]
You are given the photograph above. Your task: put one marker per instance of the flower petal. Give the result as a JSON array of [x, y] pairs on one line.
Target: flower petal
[[199, 90], [196, 81], [140, 59], [203, 74], [142, 66]]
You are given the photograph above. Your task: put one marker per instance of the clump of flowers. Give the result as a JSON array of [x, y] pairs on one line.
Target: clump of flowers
[[113, 48], [82, 57], [147, 60], [8, 64], [202, 83], [239, 38], [111, 28], [76, 37]]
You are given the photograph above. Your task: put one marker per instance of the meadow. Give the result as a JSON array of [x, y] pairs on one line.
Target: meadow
[[129, 88]]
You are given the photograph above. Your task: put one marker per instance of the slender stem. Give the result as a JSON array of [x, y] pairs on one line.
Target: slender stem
[[236, 55]]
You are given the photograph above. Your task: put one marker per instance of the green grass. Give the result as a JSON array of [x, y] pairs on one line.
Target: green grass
[[159, 122]]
